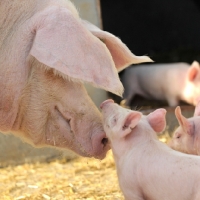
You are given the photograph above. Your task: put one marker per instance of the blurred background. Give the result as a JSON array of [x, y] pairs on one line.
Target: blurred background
[[167, 31]]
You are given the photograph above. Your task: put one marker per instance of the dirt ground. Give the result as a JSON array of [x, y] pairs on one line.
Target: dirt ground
[[78, 179]]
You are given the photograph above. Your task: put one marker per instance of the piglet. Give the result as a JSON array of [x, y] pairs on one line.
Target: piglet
[[146, 167], [186, 137], [171, 82]]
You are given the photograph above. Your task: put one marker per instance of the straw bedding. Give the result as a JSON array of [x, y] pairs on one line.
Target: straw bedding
[[78, 179]]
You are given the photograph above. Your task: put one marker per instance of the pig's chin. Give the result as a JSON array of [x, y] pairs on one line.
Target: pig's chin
[[94, 146]]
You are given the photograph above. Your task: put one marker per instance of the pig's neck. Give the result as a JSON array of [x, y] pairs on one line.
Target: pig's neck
[[12, 82], [133, 142]]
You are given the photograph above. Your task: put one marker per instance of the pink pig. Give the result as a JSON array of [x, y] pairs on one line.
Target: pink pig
[[171, 82], [47, 52], [146, 167], [186, 137]]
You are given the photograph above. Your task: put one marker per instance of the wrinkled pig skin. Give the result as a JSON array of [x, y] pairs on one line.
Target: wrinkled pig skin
[[186, 138], [171, 82], [46, 54], [146, 167]]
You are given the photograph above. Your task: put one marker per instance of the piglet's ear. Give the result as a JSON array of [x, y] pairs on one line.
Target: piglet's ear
[[197, 109], [193, 71], [121, 55], [63, 43], [183, 122], [157, 120], [130, 122]]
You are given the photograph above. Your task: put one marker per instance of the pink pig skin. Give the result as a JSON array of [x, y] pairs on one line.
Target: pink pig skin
[[172, 82], [186, 138], [146, 167], [46, 54]]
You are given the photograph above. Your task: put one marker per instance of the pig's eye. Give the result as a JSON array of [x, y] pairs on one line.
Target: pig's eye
[[178, 136], [113, 121]]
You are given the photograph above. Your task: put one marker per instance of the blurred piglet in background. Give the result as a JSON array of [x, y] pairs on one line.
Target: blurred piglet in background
[[47, 52], [186, 137], [171, 82], [146, 167]]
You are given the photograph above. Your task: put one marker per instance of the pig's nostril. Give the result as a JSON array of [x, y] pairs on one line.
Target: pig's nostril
[[104, 141]]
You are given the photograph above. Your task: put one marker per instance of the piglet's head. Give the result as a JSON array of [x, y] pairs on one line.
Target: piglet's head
[[118, 121], [183, 137]]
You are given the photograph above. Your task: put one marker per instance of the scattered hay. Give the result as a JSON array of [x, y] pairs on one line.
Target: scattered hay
[[164, 137], [81, 178]]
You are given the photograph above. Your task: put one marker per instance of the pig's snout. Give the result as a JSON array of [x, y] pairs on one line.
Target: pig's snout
[[100, 145], [106, 102]]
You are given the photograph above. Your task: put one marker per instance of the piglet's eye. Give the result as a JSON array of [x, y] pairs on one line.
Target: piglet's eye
[[114, 120]]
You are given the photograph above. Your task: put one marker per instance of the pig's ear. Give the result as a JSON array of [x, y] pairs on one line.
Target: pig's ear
[[63, 43], [193, 71], [121, 55], [130, 122], [157, 120], [183, 122], [197, 109]]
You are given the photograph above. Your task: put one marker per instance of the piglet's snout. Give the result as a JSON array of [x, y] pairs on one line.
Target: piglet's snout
[[106, 102]]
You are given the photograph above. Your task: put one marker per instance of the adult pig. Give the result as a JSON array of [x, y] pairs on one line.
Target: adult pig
[[171, 82], [46, 54], [186, 138], [146, 167]]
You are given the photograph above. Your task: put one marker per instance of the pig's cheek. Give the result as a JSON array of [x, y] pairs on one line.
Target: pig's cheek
[[188, 143], [58, 130], [174, 144], [180, 146]]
